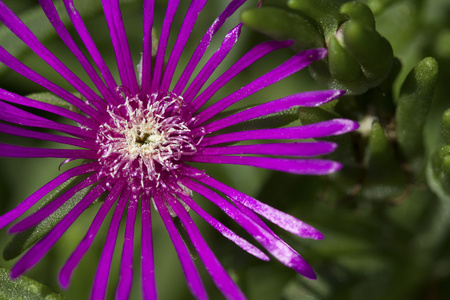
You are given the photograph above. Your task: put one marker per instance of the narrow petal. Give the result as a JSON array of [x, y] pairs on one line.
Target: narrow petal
[[19, 151], [295, 166], [204, 44], [17, 131], [317, 130], [284, 70], [67, 270], [185, 31], [43, 246], [53, 17], [287, 149], [228, 43], [244, 62], [17, 99], [147, 263], [104, 266], [119, 40], [40, 193], [285, 221], [12, 114], [10, 20], [126, 265], [172, 7], [190, 271], [17, 66], [51, 207], [79, 26], [225, 231], [306, 99], [268, 240], [220, 277], [146, 68]]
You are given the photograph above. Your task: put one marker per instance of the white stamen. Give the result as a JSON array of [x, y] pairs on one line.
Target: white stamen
[[145, 138]]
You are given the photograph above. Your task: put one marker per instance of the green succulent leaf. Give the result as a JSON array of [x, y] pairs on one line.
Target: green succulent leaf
[[324, 11], [283, 25], [51, 98], [414, 103], [382, 183], [342, 65], [24, 288]]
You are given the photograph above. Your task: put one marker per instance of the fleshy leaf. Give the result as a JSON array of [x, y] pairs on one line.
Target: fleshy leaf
[[382, 183], [283, 25], [51, 98], [24, 288], [414, 103]]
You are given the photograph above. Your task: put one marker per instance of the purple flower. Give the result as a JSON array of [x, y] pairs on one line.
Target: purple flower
[[135, 139]]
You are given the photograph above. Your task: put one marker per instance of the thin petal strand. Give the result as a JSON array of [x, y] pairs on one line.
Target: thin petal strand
[[147, 263], [225, 231], [220, 277], [267, 239], [40, 193], [104, 266], [190, 271], [67, 270], [291, 66], [204, 44], [43, 246], [119, 40], [317, 130]]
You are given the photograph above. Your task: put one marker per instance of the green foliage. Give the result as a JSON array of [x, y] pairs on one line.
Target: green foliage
[[24, 288]]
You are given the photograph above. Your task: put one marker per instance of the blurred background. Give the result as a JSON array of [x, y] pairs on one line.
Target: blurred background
[[385, 216]]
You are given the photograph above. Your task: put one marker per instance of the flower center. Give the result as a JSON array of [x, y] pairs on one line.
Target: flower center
[[144, 139]]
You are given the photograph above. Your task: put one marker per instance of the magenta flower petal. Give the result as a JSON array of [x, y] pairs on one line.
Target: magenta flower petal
[[289, 67], [53, 17], [120, 44], [172, 7], [244, 62], [230, 40], [267, 239], [190, 271], [307, 99], [40, 193], [286, 149], [41, 248], [204, 44], [51, 207], [146, 67], [10, 20], [83, 33], [17, 99], [104, 266], [220, 277], [135, 138], [147, 262], [322, 129], [190, 18], [67, 270], [222, 229], [295, 166], [19, 151]]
